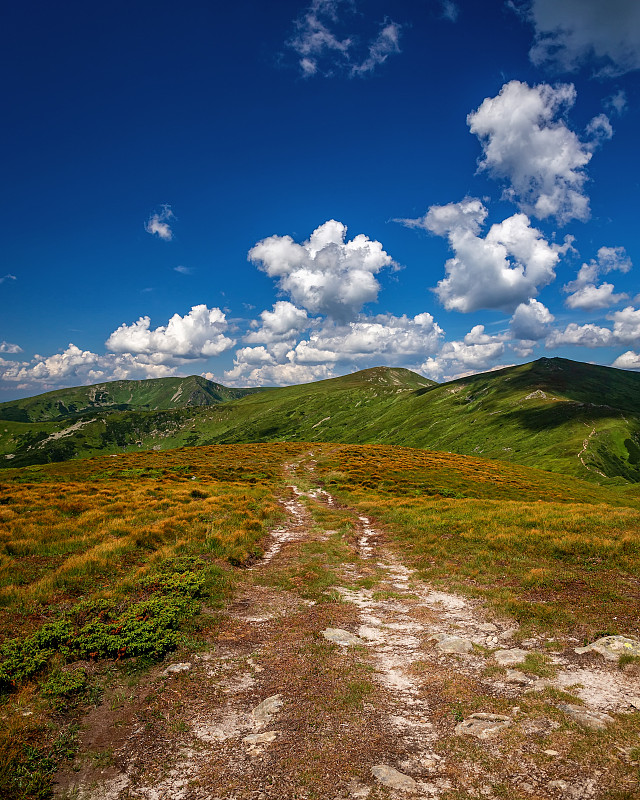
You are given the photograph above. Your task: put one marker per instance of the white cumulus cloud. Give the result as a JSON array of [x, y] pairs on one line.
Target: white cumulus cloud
[[476, 353], [531, 321], [384, 337], [74, 366], [583, 291], [568, 33], [325, 274], [588, 335], [198, 334], [501, 270], [158, 223], [626, 325], [527, 144], [628, 360], [283, 323], [8, 347]]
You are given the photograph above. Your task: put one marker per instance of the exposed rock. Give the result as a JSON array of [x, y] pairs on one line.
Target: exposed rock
[[508, 658], [452, 644], [338, 636], [393, 779], [182, 666], [262, 713], [590, 719], [612, 647], [517, 677], [260, 738], [483, 726], [635, 702], [487, 627]]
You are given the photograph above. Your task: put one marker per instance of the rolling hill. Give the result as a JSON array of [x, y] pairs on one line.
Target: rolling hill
[[556, 414]]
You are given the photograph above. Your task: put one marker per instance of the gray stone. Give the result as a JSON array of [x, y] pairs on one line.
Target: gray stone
[[590, 719], [508, 633], [488, 627], [260, 738], [338, 636], [515, 676], [508, 658], [612, 647], [393, 779], [452, 644], [262, 713], [483, 726], [172, 669], [635, 702]]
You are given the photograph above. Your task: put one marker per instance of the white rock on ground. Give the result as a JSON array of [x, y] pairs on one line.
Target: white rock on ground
[[393, 779], [590, 719], [483, 726], [452, 644], [612, 647], [338, 636], [263, 713], [509, 658]]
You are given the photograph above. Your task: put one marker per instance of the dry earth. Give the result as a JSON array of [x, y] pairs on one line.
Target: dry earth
[[366, 692]]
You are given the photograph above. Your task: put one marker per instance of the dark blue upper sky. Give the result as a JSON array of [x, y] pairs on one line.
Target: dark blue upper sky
[[488, 155]]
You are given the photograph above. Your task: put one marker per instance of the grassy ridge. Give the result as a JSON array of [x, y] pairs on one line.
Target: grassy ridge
[[108, 562], [145, 395], [555, 414], [555, 553]]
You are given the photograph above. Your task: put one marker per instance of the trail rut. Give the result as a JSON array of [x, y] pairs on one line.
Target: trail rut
[[282, 707]]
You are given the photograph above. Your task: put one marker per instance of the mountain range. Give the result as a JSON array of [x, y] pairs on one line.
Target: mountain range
[[553, 413]]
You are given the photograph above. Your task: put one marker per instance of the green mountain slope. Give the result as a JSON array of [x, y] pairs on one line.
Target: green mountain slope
[[555, 414], [145, 395]]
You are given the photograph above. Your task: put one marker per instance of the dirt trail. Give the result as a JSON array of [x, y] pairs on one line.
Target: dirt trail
[[369, 694]]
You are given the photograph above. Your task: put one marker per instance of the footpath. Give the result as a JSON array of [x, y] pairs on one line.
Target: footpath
[[336, 673]]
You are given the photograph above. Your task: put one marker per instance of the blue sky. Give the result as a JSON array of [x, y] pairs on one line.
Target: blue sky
[[273, 193]]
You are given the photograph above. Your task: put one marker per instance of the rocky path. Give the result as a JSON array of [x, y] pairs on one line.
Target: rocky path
[[373, 685]]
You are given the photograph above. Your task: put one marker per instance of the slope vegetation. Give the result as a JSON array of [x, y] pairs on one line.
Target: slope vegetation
[[556, 414]]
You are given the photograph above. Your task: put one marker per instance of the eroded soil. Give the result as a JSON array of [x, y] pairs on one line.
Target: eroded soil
[[284, 704]]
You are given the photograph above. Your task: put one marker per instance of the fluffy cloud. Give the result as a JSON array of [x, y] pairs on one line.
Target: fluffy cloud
[[8, 277], [74, 366], [625, 331], [531, 321], [199, 334], [382, 336], [628, 360], [158, 223], [583, 335], [248, 373], [281, 324], [325, 274], [584, 293], [501, 270], [568, 32], [7, 347], [322, 50], [476, 353], [526, 142], [626, 325]]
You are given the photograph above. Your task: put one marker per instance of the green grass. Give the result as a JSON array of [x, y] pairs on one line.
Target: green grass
[[537, 414]]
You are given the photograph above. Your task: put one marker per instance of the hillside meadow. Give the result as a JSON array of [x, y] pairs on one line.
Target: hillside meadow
[[109, 563]]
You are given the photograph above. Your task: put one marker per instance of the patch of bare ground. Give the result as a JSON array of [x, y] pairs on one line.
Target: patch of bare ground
[[336, 673]]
